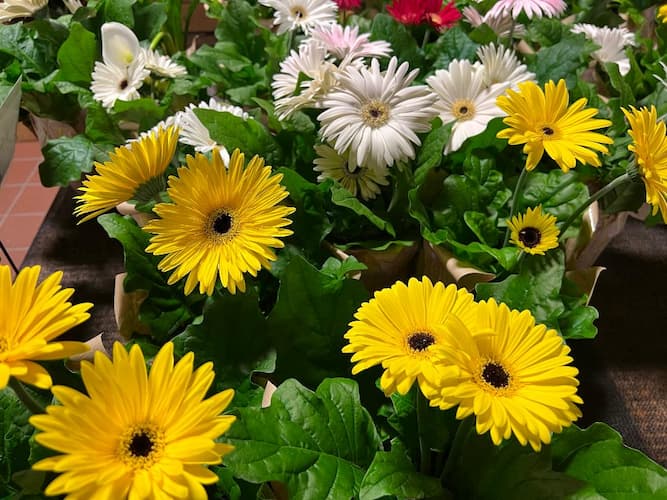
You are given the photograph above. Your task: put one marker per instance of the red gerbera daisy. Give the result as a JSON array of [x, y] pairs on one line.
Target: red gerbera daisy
[[445, 17], [348, 4], [419, 11]]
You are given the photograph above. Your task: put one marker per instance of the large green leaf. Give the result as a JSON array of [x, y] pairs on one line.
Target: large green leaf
[[452, 44], [343, 198], [76, 56], [597, 455], [65, 159], [34, 44], [403, 44], [16, 432], [119, 11], [562, 59], [318, 443]]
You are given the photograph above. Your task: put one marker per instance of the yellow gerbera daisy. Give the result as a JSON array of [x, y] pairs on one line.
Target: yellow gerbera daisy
[[401, 328], [534, 232], [31, 316], [516, 381], [543, 121], [662, 12], [135, 435], [134, 171], [222, 222], [650, 148]]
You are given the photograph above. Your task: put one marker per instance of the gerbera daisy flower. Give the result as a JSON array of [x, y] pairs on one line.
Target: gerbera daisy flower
[[650, 148], [408, 11], [612, 42], [33, 316], [532, 8], [134, 171], [348, 4], [662, 12], [465, 100], [12, 9], [111, 83], [135, 435], [363, 180], [222, 222], [377, 115], [534, 232], [347, 44], [516, 381], [542, 121], [442, 16], [503, 25], [163, 65], [402, 329], [500, 66], [291, 15]]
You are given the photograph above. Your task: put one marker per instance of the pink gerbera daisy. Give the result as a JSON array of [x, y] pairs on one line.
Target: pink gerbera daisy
[[537, 8]]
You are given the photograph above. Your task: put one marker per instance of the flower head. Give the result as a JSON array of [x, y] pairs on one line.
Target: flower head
[[377, 115], [500, 66], [348, 4], [33, 316], [291, 15], [112, 83], [12, 9], [532, 8], [612, 42], [135, 435], [402, 328], [515, 376], [534, 232], [503, 24], [662, 13], [442, 16], [131, 168], [347, 44], [222, 222], [650, 148], [163, 65], [420, 11], [542, 121]]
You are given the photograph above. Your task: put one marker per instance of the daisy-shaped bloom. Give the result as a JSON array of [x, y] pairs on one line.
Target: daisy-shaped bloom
[[516, 381], [363, 180], [500, 66], [377, 115], [465, 100], [532, 8], [120, 46], [291, 15], [442, 16], [542, 121], [612, 42], [134, 171], [135, 434], [73, 5], [12, 9], [534, 232], [348, 4], [419, 11], [111, 83], [650, 148], [33, 316], [347, 44], [403, 328], [163, 65], [193, 131], [662, 12], [502, 24], [222, 222]]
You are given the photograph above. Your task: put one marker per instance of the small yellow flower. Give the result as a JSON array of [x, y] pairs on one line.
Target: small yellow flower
[[534, 232], [662, 13], [542, 121]]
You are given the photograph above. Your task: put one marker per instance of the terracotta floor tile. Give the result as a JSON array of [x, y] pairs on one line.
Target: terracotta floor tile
[[27, 150], [20, 171], [8, 195], [17, 255], [18, 230], [34, 199]]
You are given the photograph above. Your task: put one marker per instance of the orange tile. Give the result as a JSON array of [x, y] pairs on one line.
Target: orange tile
[[34, 199], [17, 255], [18, 231], [20, 171], [27, 150], [34, 178], [8, 195]]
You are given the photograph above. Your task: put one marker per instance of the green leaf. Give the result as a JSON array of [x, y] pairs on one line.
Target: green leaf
[[318, 443], [597, 455], [76, 56], [34, 45], [65, 159], [619, 84], [339, 269], [100, 127], [145, 111], [343, 198], [403, 44], [561, 60], [392, 473], [452, 44], [119, 11], [16, 432], [431, 153], [483, 226], [149, 20], [577, 320]]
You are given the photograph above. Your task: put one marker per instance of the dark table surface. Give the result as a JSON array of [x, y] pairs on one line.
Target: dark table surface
[[623, 371]]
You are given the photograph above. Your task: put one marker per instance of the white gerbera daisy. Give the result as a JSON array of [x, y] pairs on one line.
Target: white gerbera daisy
[[194, 133], [536, 8], [502, 24], [111, 83], [377, 115], [290, 15], [120, 46], [465, 100], [163, 65], [73, 5], [500, 66], [612, 42], [356, 179], [11, 9], [347, 43]]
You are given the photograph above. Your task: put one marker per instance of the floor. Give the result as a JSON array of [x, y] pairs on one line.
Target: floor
[[24, 202]]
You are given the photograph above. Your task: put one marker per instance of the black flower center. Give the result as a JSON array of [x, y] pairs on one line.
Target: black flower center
[[141, 445], [298, 13], [463, 110], [530, 236], [420, 341], [495, 375], [222, 223], [547, 130], [375, 113], [123, 84]]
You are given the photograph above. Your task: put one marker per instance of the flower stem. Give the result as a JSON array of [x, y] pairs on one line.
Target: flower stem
[[621, 179], [424, 448], [462, 432], [156, 39], [27, 400], [515, 198], [427, 34]]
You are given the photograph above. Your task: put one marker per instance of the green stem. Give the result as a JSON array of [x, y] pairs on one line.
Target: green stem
[[156, 39], [27, 400], [515, 198], [621, 179], [424, 448], [454, 454], [427, 34], [510, 35]]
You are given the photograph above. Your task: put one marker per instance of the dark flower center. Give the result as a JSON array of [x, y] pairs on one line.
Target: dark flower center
[[463, 110], [141, 445], [530, 236], [420, 341], [298, 13], [123, 84], [495, 375], [548, 130], [222, 223]]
